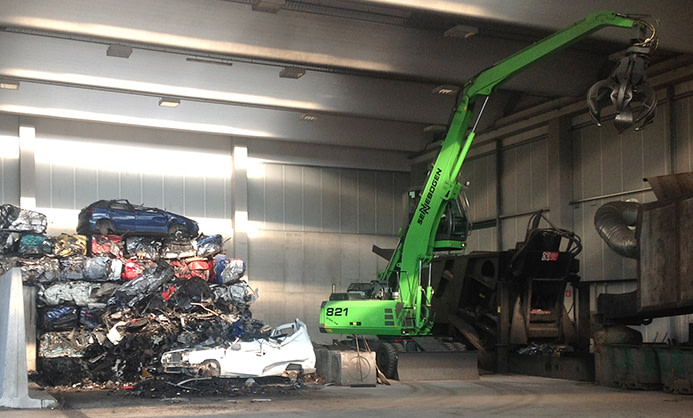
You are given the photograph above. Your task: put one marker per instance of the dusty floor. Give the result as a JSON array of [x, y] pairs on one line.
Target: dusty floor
[[498, 395]]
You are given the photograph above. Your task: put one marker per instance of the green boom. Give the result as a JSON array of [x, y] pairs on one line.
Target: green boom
[[407, 313]]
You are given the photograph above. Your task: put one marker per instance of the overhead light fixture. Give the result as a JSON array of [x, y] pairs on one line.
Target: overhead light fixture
[[168, 102], [269, 6], [310, 117], [210, 61], [461, 32], [292, 72], [9, 84], [119, 51], [446, 90]]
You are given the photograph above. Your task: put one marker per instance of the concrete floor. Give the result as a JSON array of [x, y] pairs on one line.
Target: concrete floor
[[493, 395]]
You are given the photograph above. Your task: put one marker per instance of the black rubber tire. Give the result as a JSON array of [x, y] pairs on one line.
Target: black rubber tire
[[210, 368], [386, 359], [178, 232], [103, 227]]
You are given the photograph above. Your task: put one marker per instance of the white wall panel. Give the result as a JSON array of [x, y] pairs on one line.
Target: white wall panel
[[330, 200], [607, 163], [482, 240], [480, 172], [294, 272], [524, 182], [77, 163], [9, 159], [312, 198], [323, 199]]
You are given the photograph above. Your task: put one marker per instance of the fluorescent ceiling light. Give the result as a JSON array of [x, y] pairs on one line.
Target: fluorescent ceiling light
[[310, 117], [292, 72], [269, 6], [9, 84], [446, 90], [461, 32], [119, 51], [169, 102], [209, 61]]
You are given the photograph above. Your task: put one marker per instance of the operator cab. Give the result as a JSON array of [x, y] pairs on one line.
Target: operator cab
[[455, 225]]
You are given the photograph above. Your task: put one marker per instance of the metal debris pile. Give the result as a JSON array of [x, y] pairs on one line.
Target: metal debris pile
[[110, 305]]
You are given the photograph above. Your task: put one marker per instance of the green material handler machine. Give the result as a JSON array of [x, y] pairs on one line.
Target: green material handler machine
[[398, 305]]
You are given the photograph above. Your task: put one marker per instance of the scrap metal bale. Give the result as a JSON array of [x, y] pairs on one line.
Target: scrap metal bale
[[36, 245], [79, 293], [132, 292], [102, 268], [39, 270], [143, 248], [107, 245], [9, 242], [72, 267], [67, 245], [208, 246], [14, 218], [59, 318]]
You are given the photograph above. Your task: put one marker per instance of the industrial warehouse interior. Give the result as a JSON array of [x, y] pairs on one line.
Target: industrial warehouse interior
[[339, 207]]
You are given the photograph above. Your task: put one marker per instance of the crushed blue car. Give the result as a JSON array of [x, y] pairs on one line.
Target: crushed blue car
[[121, 217]]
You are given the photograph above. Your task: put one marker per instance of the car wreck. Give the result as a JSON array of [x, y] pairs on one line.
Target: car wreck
[[286, 349], [118, 216]]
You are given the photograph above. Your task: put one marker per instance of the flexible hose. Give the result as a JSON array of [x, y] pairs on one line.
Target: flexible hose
[[612, 221]]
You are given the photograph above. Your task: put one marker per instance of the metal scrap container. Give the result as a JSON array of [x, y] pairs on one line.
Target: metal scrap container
[[632, 366], [676, 365]]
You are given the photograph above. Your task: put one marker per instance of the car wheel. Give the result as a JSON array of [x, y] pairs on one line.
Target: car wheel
[[103, 226], [177, 231], [210, 368]]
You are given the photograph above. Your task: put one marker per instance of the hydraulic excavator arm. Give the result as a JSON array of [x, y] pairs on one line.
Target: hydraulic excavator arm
[[398, 302]]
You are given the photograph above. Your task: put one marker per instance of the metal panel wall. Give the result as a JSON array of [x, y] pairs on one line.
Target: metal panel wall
[[80, 162], [524, 187], [610, 166], [313, 227], [284, 197], [294, 272], [9, 159], [480, 172]]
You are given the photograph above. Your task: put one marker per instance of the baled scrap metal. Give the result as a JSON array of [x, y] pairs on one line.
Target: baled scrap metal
[[9, 242], [102, 268], [107, 245], [72, 267], [173, 249], [133, 268], [39, 270], [208, 246], [237, 294], [130, 293], [14, 218], [233, 271], [79, 293], [65, 343], [76, 293], [59, 318], [70, 244], [35, 245], [146, 248]]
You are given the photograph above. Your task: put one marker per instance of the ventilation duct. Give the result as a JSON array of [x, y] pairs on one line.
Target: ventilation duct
[[612, 221]]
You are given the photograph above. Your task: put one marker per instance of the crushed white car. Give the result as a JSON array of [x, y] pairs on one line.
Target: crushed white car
[[288, 349]]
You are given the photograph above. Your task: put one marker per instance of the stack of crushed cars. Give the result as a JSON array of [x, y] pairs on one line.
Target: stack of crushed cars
[[109, 306]]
